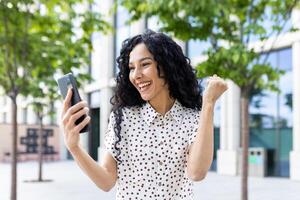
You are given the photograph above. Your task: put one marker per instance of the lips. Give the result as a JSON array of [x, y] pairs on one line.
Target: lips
[[144, 85]]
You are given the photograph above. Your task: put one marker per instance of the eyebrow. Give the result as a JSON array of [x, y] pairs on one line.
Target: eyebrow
[[142, 59]]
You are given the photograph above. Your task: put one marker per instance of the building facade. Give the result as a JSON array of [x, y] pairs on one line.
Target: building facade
[[28, 132], [274, 117]]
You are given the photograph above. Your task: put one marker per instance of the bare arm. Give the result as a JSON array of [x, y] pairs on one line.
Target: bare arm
[[104, 175], [201, 151]]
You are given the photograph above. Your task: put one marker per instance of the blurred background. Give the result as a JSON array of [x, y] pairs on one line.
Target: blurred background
[[255, 45]]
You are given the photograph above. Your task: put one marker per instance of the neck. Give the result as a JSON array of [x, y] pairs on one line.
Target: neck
[[162, 105]]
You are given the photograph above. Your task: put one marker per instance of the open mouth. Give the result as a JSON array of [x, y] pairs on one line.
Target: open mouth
[[144, 86]]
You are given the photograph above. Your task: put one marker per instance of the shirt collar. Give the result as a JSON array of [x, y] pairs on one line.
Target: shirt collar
[[176, 111], [149, 113]]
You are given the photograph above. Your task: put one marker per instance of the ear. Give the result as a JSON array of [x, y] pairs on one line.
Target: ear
[[160, 71]]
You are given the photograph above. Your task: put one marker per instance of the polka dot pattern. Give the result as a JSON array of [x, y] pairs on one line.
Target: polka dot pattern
[[154, 149]]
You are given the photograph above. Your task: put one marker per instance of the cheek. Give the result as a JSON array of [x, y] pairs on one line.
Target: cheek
[[160, 82], [130, 78]]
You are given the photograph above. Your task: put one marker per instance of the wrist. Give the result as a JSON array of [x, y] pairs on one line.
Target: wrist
[[208, 103], [74, 149]]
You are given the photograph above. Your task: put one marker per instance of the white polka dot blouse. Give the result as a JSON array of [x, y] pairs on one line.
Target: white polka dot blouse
[[154, 151]]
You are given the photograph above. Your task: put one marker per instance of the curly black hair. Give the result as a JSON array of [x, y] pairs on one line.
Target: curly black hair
[[177, 72]]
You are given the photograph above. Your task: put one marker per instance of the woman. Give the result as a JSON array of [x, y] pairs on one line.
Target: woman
[[160, 135]]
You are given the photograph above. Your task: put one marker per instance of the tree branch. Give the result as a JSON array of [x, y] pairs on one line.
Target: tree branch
[[249, 19]]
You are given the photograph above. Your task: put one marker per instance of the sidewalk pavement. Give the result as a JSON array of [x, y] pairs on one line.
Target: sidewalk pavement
[[68, 182]]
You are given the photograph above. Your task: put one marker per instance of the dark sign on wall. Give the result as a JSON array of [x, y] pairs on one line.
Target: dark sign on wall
[[31, 141]]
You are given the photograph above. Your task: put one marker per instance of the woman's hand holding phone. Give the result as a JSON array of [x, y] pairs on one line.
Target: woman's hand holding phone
[[69, 116]]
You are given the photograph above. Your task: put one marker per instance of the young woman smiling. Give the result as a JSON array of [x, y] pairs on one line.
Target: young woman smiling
[[160, 134]]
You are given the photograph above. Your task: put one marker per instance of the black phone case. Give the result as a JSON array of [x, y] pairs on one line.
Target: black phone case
[[66, 82]]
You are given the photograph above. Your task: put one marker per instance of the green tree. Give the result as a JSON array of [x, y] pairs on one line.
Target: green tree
[[44, 94], [39, 107], [38, 39], [230, 26]]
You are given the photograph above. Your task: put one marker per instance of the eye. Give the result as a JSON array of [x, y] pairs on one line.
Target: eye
[[131, 68], [145, 64]]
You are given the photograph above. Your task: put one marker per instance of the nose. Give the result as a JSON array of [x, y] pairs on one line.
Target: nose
[[137, 73]]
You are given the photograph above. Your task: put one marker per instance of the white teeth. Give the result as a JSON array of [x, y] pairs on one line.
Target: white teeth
[[144, 84]]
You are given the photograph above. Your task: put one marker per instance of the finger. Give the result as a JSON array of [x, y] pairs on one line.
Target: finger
[[67, 100], [72, 110], [212, 78], [82, 124], [77, 115], [222, 85], [75, 108]]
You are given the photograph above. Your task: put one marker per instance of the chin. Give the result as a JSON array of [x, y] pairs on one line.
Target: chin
[[146, 97]]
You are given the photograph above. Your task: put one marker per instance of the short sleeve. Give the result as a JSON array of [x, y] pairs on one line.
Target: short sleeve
[[194, 119], [110, 138]]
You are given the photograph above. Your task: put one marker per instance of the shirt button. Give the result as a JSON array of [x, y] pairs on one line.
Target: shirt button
[[160, 162], [161, 142], [159, 184]]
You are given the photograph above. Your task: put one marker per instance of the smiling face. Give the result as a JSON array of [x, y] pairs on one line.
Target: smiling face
[[144, 74]]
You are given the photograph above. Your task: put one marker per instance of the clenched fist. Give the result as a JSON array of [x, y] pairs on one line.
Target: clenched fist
[[216, 86]]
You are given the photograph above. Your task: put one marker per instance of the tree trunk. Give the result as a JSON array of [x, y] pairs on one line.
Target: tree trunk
[[40, 149], [245, 144], [14, 153]]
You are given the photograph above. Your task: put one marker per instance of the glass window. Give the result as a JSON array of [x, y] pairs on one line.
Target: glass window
[[271, 114], [268, 107], [95, 99], [285, 85], [122, 31], [285, 59], [95, 70], [25, 113]]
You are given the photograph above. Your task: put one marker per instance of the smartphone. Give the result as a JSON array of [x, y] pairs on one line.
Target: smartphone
[[64, 83]]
